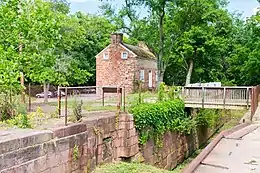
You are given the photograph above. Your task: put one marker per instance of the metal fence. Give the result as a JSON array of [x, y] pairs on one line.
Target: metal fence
[[93, 98]]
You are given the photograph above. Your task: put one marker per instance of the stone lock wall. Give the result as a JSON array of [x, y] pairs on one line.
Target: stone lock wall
[[75, 148], [79, 148]]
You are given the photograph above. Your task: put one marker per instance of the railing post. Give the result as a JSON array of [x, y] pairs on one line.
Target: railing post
[[252, 102], [203, 96], [59, 102], [119, 99], [66, 105], [30, 102], [103, 97], [224, 97], [247, 98]]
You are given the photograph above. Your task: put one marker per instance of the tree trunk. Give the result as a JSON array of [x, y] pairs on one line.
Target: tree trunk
[[160, 62], [188, 77], [45, 90]]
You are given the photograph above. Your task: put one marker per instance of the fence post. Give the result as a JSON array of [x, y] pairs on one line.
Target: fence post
[[66, 105], [103, 97], [224, 97], [247, 98], [252, 102], [59, 102], [118, 99], [203, 96], [30, 105]]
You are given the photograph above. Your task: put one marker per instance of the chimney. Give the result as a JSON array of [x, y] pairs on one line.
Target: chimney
[[116, 38]]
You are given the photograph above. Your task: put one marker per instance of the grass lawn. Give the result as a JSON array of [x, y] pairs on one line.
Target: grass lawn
[[123, 167], [110, 103], [234, 117]]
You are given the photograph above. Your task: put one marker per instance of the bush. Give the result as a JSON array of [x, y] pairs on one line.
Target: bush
[[208, 118], [77, 111], [21, 121], [154, 119]]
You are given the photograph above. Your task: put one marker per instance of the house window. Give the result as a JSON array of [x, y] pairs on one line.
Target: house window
[[124, 55], [156, 76], [142, 75], [105, 56]]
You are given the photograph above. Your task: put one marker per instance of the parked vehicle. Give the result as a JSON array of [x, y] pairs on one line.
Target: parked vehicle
[[61, 93], [41, 95]]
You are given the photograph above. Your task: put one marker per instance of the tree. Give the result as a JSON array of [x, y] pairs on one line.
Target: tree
[[244, 59], [188, 33], [204, 28]]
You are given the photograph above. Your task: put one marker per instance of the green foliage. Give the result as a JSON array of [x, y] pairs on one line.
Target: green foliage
[[75, 152], [20, 120], [124, 167], [208, 117], [152, 120], [161, 92], [77, 111], [168, 92]]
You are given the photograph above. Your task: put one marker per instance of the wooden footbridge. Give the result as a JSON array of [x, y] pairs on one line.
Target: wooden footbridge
[[221, 97]]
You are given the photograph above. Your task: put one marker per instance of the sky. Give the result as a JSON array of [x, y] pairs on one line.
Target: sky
[[248, 7]]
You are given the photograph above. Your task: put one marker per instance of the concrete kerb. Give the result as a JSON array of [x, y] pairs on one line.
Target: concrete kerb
[[196, 162]]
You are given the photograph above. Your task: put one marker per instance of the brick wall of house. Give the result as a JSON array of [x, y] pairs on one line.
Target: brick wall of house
[[147, 66], [115, 71]]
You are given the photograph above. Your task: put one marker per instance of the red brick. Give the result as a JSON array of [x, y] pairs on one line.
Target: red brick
[[116, 71]]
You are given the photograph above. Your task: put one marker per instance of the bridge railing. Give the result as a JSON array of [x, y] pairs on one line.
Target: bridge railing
[[226, 96]]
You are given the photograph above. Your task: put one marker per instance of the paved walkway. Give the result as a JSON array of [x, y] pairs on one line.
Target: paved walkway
[[238, 152]]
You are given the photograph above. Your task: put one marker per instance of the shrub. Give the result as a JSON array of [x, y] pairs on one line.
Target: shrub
[[208, 117], [154, 119], [21, 121], [77, 111]]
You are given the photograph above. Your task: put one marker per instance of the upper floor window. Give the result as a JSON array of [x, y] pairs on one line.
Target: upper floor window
[[142, 75], [124, 55], [105, 56]]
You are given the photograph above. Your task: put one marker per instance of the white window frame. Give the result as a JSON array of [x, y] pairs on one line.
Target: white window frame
[[122, 55], [105, 56], [142, 77]]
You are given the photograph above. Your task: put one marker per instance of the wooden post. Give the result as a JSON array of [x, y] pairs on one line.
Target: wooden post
[[103, 97], [22, 87], [224, 97], [124, 99], [118, 99], [247, 98], [30, 105], [203, 97], [252, 102], [59, 102], [66, 105]]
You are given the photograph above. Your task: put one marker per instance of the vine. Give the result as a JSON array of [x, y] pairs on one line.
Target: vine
[[75, 152], [152, 120]]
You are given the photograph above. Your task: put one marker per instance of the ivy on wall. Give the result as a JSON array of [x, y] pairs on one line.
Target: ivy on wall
[[152, 120]]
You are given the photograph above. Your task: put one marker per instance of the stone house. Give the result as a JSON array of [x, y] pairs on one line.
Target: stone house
[[122, 65]]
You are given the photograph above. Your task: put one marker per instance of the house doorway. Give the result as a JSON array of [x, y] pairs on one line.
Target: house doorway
[[150, 84]]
